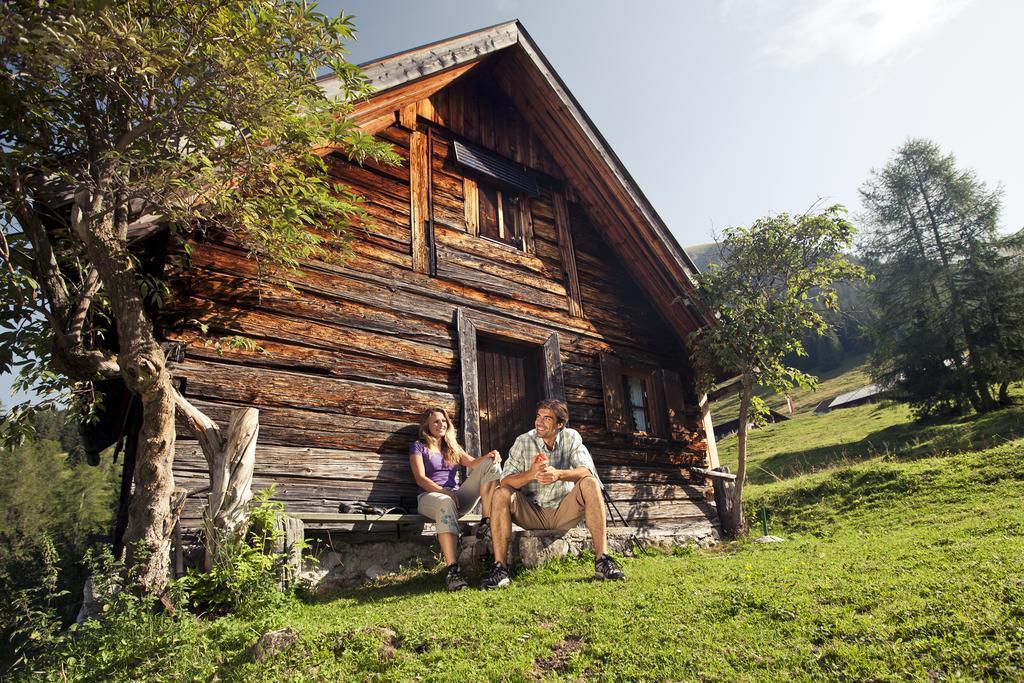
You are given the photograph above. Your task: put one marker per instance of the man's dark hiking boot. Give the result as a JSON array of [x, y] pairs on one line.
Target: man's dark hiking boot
[[453, 579], [607, 569], [497, 578]]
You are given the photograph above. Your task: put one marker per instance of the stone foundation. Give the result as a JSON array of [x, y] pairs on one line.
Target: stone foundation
[[346, 565]]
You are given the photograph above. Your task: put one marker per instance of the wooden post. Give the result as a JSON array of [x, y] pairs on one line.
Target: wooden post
[[419, 179], [470, 389], [231, 475], [709, 431], [722, 482], [554, 386], [231, 462], [291, 544], [723, 502]]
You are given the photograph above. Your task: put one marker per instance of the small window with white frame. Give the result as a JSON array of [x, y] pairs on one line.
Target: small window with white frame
[[636, 391]]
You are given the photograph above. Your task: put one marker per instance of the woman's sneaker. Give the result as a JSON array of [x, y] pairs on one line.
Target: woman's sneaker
[[497, 578], [453, 579], [607, 569]]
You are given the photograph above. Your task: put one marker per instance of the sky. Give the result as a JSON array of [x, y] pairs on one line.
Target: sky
[[727, 111]]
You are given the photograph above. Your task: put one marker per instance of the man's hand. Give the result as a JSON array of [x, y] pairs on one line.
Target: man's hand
[[540, 461], [495, 456], [548, 475]]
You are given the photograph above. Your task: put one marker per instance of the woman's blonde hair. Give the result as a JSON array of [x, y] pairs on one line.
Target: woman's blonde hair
[[448, 443]]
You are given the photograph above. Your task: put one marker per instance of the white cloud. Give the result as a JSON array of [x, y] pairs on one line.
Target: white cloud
[[858, 32]]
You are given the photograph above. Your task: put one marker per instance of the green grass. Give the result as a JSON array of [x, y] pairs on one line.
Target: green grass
[[903, 561], [811, 442], [852, 374]]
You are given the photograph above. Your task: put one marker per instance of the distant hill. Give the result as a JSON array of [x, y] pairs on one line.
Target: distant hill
[[703, 254]]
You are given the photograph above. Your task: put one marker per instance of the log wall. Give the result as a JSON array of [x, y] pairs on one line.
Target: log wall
[[351, 354]]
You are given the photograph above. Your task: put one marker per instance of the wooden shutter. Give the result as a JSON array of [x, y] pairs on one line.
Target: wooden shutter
[[656, 404], [614, 401], [553, 384], [672, 388], [470, 389], [469, 190]]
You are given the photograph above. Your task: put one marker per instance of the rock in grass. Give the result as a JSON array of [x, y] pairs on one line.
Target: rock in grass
[[768, 539], [273, 642]]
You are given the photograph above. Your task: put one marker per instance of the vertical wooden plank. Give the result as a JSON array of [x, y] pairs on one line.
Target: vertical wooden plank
[[407, 116], [554, 387], [709, 431], [419, 173], [456, 96], [431, 238], [485, 378], [439, 103], [470, 389], [495, 401], [472, 198], [501, 131], [657, 422], [614, 401], [526, 221], [470, 118], [501, 216], [518, 382], [488, 122], [675, 405], [568, 253], [425, 108]]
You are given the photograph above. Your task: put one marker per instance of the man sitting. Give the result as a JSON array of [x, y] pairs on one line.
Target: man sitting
[[549, 482]]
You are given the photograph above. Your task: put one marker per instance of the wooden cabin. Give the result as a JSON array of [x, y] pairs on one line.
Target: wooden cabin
[[511, 258]]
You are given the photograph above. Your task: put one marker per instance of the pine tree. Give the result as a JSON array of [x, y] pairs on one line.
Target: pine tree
[[932, 243]]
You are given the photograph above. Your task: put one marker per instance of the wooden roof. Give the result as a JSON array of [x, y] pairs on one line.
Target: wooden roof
[[614, 201]]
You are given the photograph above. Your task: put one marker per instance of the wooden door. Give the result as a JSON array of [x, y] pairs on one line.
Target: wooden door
[[508, 377]]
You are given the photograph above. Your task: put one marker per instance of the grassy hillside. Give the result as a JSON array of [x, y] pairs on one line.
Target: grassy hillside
[[851, 374], [903, 562]]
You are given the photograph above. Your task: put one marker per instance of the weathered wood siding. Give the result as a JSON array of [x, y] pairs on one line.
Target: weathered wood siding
[[351, 354]]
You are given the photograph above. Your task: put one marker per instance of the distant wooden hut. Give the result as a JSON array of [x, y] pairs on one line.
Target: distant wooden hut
[[511, 258]]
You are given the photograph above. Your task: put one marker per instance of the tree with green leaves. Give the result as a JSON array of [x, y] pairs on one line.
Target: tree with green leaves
[[191, 115], [769, 288], [943, 294]]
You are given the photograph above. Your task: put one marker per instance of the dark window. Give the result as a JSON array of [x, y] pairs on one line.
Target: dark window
[[642, 399], [499, 215]]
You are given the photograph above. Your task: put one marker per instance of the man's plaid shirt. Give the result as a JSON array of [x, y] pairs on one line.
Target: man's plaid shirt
[[568, 453]]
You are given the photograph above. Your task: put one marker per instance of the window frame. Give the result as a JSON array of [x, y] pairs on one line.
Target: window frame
[[522, 213], [646, 405], [665, 403], [502, 196]]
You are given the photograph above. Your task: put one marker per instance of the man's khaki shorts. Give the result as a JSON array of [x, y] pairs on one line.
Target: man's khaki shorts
[[567, 515]]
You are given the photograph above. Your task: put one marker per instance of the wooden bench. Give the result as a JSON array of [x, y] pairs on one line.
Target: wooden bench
[[327, 518], [297, 522]]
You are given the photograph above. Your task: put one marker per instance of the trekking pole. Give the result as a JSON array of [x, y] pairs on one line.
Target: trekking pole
[[637, 543]]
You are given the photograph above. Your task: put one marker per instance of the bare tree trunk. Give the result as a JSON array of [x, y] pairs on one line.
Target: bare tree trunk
[[735, 521]]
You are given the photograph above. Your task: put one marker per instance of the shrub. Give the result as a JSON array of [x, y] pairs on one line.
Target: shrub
[[246, 574]]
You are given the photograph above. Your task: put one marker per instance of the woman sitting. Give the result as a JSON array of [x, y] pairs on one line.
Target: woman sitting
[[434, 459]]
